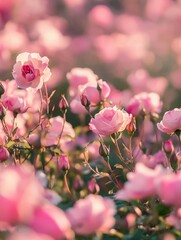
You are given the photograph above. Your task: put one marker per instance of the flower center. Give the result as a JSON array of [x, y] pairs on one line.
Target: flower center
[[28, 72]]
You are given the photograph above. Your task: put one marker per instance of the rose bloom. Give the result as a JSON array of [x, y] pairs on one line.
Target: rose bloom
[[28, 234], [169, 190], [52, 221], [141, 183], [171, 121], [92, 214], [31, 70], [20, 193], [148, 102], [80, 76], [55, 129], [110, 120], [90, 90]]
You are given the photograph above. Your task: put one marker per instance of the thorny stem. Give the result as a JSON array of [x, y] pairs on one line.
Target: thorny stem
[[46, 98], [64, 119], [120, 155], [41, 105], [67, 186]]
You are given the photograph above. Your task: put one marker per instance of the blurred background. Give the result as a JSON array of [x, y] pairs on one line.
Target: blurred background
[[135, 45]]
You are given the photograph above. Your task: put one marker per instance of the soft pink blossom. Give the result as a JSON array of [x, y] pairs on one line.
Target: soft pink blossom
[[171, 121], [15, 104], [137, 185], [80, 76], [20, 193], [92, 214], [31, 70], [150, 103], [55, 131], [95, 92], [168, 189], [109, 120], [51, 220], [28, 234]]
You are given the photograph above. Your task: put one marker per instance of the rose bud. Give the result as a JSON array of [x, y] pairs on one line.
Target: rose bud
[[4, 154], [85, 101], [63, 104], [168, 146], [63, 163]]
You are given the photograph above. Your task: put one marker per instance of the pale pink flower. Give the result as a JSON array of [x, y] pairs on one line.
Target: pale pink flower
[[168, 189], [171, 121], [31, 70], [51, 220], [93, 94], [15, 104], [137, 185], [150, 103], [20, 193], [92, 214], [80, 76], [110, 120], [55, 130], [28, 234]]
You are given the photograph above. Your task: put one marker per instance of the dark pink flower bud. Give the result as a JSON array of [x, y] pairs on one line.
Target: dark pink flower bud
[[78, 183], [131, 127], [63, 104], [4, 154], [63, 163], [104, 150], [85, 101], [93, 187], [168, 146]]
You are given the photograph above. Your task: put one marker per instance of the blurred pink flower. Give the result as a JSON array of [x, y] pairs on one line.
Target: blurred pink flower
[[31, 70], [17, 184], [92, 214], [137, 185], [109, 120], [168, 189], [55, 129], [4, 154], [150, 103], [93, 94], [171, 121], [140, 81], [80, 76], [28, 234], [51, 220]]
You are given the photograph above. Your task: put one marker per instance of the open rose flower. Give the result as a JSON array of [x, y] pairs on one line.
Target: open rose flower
[[31, 70], [137, 185], [150, 103], [92, 214], [110, 120], [171, 121]]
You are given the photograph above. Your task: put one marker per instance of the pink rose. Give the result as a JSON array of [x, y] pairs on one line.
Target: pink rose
[[20, 193], [93, 94], [148, 102], [80, 76], [28, 234], [171, 121], [15, 104], [168, 189], [110, 120], [55, 130], [31, 70], [137, 185], [92, 214], [51, 220]]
